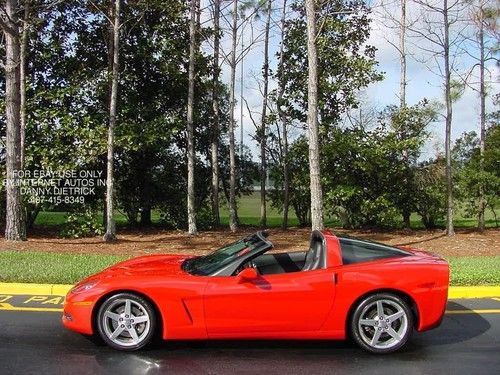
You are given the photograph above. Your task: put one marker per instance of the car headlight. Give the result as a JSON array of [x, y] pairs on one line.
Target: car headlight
[[84, 287]]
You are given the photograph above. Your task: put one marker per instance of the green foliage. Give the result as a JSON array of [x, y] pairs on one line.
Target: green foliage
[[82, 222], [65, 127], [478, 176], [358, 172], [430, 192], [346, 63], [406, 137], [68, 100], [465, 148], [368, 175], [300, 195], [204, 218], [371, 175], [457, 88], [3, 204]]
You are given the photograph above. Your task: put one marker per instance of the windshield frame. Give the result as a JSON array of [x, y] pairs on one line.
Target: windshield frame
[[226, 260]]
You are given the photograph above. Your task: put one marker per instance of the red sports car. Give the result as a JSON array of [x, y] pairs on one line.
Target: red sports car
[[340, 287]]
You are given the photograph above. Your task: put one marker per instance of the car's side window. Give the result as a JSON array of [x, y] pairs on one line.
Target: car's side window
[[356, 251]]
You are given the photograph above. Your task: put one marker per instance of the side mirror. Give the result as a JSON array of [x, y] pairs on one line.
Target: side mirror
[[248, 274]]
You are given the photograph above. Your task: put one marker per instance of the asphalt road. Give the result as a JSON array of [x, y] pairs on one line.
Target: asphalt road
[[466, 343]]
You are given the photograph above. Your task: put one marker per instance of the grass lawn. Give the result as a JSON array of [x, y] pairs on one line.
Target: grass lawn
[[459, 220], [54, 218], [475, 270], [45, 267], [50, 218], [249, 214]]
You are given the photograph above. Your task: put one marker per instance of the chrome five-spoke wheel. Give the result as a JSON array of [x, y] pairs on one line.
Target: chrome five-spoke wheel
[[126, 321], [382, 323]]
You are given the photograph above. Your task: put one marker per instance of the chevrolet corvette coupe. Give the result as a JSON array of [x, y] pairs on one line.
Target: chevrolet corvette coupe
[[341, 287]]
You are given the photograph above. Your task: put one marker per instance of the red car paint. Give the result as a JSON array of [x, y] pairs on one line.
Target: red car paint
[[297, 305]]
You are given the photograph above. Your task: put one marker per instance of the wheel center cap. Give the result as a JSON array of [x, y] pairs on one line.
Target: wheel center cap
[[126, 320], [383, 325]]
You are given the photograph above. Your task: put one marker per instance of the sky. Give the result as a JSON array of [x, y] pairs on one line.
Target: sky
[[422, 80]]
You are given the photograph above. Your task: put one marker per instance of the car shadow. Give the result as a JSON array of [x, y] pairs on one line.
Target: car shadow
[[459, 324], [193, 356], [409, 243]]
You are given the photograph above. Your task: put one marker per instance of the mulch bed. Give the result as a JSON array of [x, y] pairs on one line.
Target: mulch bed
[[133, 242]]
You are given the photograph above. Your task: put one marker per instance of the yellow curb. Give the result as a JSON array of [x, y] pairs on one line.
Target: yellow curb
[[61, 290], [457, 292], [480, 311], [454, 292], [34, 289]]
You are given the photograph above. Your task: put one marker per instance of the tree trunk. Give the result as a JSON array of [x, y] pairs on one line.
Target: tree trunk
[[402, 51], [242, 88], [145, 216], [31, 216], [110, 41], [312, 119], [15, 228], [428, 221], [402, 93], [449, 181], [263, 130], [215, 130], [406, 220], [233, 224], [190, 131], [482, 96], [24, 51], [281, 88], [110, 234]]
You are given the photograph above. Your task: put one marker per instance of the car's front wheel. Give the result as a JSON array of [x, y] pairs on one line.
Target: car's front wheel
[[381, 323], [126, 321]]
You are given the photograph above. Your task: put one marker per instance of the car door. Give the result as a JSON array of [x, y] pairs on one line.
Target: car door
[[287, 302]]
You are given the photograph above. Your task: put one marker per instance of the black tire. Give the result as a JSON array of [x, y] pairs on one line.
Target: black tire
[[386, 335], [126, 321]]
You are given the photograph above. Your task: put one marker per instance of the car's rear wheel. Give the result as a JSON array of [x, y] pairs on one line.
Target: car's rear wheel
[[381, 323], [126, 321]]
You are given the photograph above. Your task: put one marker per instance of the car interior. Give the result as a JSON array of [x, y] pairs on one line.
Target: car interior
[[314, 258]]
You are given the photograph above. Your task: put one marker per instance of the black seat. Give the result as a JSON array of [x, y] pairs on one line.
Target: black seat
[[315, 257]]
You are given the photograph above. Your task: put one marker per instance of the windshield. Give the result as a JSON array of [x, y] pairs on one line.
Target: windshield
[[208, 264]]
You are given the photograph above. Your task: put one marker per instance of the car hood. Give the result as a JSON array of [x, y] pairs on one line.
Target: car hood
[[149, 264]]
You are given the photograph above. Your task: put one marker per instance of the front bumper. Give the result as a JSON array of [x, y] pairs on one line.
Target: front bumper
[[77, 316]]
